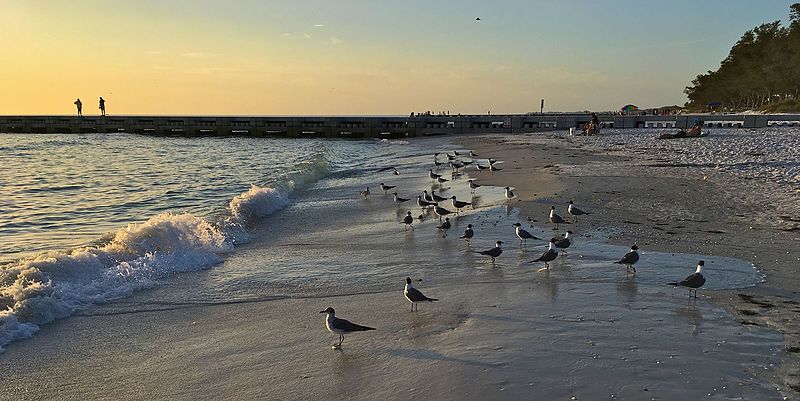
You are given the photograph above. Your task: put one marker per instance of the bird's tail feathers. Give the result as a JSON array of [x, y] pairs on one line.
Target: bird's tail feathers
[[674, 284], [432, 299]]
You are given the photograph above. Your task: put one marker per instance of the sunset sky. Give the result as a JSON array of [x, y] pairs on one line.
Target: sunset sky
[[361, 57]]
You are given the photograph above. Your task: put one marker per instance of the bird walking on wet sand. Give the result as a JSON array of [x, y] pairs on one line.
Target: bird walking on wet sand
[[509, 194], [694, 281], [555, 218], [408, 221], [444, 227], [440, 211], [494, 252], [458, 205], [473, 186], [630, 259], [433, 175], [398, 200], [563, 243], [479, 167], [523, 235], [386, 188], [414, 295], [364, 193], [441, 180], [549, 256], [428, 198], [575, 212], [341, 326], [468, 234], [494, 168]]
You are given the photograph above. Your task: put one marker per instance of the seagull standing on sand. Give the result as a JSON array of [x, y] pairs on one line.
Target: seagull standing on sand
[[479, 167], [549, 256], [444, 226], [441, 180], [341, 326], [414, 296], [408, 221], [428, 198], [364, 193], [494, 252], [458, 205], [574, 211], [437, 198], [423, 204], [473, 186], [432, 174], [523, 235], [386, 188], [472, 154], [694, 281], [630, 259], [564, 243], [509, 194], [398, 200], [468, 233], [440, 211], [555, 219]]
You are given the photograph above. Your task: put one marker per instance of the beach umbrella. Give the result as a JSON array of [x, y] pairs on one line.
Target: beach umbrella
[[629, 107]]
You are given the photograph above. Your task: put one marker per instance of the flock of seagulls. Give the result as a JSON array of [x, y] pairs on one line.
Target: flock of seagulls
[[430, 201]]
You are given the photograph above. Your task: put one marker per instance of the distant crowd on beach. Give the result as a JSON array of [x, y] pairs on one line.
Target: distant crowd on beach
[[430, 113], [101, 105]]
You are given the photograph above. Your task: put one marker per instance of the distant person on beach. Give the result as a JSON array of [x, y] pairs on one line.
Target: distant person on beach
[[79, 105], [695, 132], [102, 106]]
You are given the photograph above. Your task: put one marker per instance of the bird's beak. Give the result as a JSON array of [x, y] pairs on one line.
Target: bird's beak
[[322, 311]]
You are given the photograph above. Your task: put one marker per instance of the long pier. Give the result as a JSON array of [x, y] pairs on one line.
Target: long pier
[[367, 126]]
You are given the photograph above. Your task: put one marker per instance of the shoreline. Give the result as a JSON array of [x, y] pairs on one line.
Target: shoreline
[[705, 227]]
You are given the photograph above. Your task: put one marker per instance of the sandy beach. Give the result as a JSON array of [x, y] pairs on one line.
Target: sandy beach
[[583, 330]]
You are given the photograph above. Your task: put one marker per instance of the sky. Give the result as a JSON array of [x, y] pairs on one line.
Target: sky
[[361, 57]]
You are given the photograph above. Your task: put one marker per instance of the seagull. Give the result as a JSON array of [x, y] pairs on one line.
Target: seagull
[[472, 154], [467, 163], [450, 158], [523, 235], [440, 211], [509, 194], [444, 226], [458, 205], [548, 256], [492, 168], [364, 193], [564, 243], [556, 219], [494, 252], [477, 19], [423, 204], [428, 198], [492, 161], [386, 188], [441, 180], [432, 174], [694, 281], [479, 167], [398, 200], [455, 153], [341, 326], [456, 166], [408, 221], [473, 186], [437, 163], [468, 233], [413, 295], [630, 259], [571, 209], [437, 198], [395, 171]]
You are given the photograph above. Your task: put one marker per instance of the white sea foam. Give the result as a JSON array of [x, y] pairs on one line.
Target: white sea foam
[[54, 284]]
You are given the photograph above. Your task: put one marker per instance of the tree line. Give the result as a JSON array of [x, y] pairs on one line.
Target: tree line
[[761, 71]]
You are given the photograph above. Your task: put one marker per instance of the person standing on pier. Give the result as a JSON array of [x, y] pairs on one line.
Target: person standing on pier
[[102, 106], [79, 105]]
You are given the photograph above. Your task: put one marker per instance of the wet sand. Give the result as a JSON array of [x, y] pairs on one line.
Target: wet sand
[[583, 330], [634, 198]]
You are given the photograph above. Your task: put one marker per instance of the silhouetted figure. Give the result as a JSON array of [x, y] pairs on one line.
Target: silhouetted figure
[[79, 105], [102, 106]]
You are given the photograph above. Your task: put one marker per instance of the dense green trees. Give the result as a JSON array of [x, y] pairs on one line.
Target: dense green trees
[[762, 70]]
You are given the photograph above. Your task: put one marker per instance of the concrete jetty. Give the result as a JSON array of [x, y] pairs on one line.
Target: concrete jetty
[[367, 126]]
